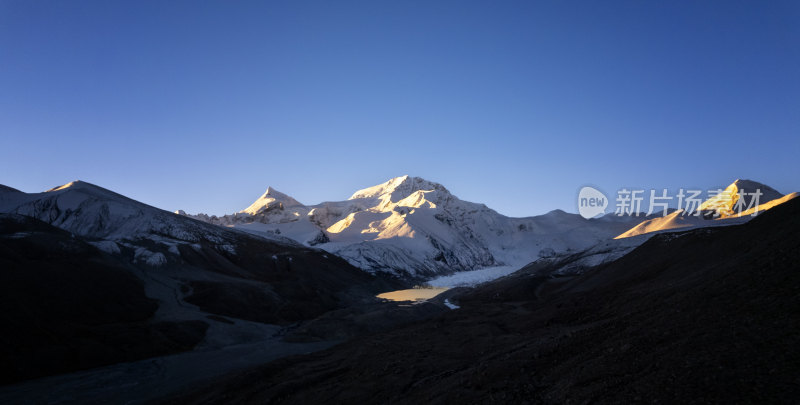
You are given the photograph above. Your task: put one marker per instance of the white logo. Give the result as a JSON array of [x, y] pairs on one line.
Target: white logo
[[591, 202]]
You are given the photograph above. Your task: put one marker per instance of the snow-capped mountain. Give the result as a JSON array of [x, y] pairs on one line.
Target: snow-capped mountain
[[735, 205], [103, 273], [411, 226], [183, 253], [113, 221], [739, 196]]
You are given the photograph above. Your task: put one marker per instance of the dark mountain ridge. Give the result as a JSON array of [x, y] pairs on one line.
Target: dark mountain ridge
[[709, 315]]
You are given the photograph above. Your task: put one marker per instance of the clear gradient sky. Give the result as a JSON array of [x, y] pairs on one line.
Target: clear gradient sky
[[202, 105]]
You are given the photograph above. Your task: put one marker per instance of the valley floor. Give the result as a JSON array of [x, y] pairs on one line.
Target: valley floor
[[141, 381]]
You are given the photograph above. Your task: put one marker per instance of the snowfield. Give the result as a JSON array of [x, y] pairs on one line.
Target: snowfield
[[416, 228], [408, 226]]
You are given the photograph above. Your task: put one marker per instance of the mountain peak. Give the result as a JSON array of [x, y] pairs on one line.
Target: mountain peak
[[84, 187], [271, 192], [751, 185], [271, 199], [398, 188], [77, 184], [725, 203]]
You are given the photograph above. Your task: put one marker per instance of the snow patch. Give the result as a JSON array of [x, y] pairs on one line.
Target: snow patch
[[228, 248], [155, 259], [450, 304], [106, 246], [174, 250]]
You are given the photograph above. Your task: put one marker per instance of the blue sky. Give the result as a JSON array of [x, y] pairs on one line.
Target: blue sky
[[202, 105]]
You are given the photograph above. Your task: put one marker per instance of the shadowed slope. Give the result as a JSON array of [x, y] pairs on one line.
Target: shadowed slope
[[67, 306], [705, 315]]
